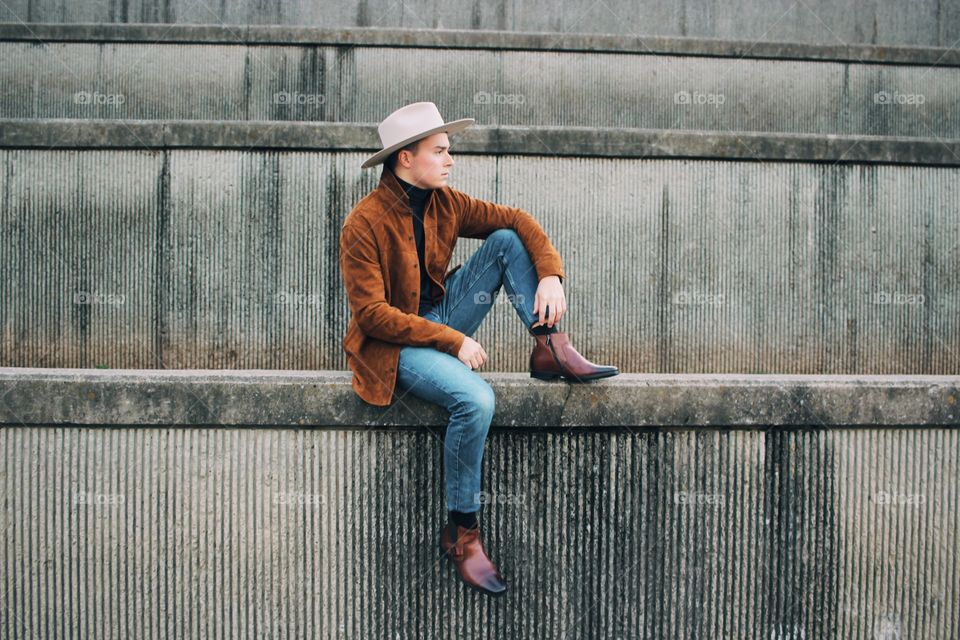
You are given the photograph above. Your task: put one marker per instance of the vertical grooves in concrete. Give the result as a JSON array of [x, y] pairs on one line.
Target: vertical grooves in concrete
[[899, 582], [528, 88], [884, 23], [719, 266], [197, 532]]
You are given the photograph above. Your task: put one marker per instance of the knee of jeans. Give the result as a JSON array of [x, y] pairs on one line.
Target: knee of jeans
[[506, 236], [481, 403]]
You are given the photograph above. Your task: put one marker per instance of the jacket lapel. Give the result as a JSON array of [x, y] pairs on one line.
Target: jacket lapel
[[394, 197], [397, 203]]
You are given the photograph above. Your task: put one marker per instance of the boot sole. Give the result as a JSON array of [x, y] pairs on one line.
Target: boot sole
[[492, 594], [552, 376]]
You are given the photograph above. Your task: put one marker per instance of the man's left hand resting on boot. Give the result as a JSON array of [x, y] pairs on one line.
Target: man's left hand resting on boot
[[550, 303]]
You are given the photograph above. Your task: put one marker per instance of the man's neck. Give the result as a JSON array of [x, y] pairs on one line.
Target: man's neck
[[417, 195], [407, 181]]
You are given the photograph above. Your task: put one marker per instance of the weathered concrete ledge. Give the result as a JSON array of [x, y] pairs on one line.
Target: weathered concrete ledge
[[57, 133], [471, 39], [36, 396]]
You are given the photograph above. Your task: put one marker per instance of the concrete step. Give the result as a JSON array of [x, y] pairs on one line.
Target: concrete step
[[146, 245], [277, 74], [271, 398], [882, 22], [763, 507]]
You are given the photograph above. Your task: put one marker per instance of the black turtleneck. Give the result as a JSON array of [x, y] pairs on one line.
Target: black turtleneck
[[418, 203]]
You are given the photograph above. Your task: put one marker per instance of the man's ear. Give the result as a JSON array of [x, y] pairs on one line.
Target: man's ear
[[409, 154]]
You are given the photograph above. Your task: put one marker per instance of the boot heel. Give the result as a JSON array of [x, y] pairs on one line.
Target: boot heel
[[543, 375]]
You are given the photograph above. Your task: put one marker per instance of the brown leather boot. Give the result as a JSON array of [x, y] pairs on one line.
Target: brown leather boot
[[465, 549], [554, 356]]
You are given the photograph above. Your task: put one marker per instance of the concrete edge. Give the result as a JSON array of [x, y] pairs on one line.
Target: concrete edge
[[478, 39], [46, 133], [265, 398]]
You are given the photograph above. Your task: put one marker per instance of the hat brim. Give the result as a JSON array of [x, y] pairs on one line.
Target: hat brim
[[448, 127]]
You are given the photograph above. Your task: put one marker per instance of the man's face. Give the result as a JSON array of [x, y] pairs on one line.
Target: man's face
[[429, 167]]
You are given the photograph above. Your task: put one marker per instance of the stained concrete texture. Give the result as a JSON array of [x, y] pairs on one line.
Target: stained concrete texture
[[184, 258], [921, 23], [876, 91]]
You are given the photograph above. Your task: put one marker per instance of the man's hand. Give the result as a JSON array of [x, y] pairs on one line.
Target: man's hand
[[471, 353], [550, 303]]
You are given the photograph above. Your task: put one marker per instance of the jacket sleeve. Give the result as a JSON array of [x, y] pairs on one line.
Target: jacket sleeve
[[363, 280], [479, 218]]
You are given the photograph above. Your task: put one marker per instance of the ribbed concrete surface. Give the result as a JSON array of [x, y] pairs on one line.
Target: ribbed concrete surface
[[200, 259], [925, 22], [450, 39], [532, 88], [120, 533]]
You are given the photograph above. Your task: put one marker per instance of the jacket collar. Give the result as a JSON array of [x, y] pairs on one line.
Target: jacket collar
[[392, 192]]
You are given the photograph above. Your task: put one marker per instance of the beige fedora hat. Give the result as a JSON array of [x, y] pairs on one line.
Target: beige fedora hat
[[409, 124]]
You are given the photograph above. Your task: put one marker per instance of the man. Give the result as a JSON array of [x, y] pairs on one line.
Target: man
[[410, 330]]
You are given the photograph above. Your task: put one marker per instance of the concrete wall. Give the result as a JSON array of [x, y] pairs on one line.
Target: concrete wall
[[214, 499], [207, 259], [145, 80], [924, 23], [641, 533]]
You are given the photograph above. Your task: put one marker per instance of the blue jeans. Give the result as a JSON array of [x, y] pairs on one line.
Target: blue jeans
[[443, 379]]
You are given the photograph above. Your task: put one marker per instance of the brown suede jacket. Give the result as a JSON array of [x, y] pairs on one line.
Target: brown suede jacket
[[381, 273]]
